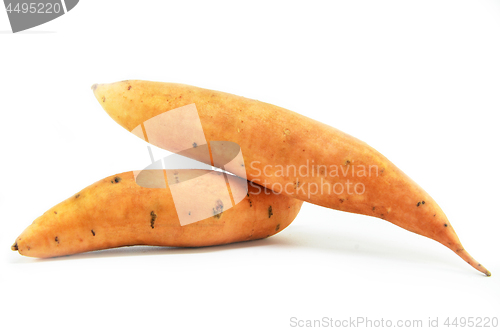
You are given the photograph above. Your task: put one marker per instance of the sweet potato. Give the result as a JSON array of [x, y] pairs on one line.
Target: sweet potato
[[116, 211], [277, 143]]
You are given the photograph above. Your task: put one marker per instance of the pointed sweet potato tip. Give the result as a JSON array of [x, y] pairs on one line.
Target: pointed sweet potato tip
[[469, 259], [14, 247]]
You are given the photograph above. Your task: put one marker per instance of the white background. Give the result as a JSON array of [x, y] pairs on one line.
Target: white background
[[417, 80]]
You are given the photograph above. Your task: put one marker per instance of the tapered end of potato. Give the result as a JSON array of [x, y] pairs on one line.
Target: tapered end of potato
[[470, 260], [94, 87], [14, 247]]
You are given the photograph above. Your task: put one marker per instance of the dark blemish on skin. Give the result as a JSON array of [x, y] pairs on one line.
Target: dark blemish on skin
[[277, 227], [242, 165], [373, 208], [347, 162], [129, 87], [270, 211], [434, 215], [189, 213], [103, 99], [195, 145], [14, 247], [418, 204], [93, 233], [218, 210], [341, 200], [445, 225], [57, 240], [28, 247], [153, 219], [77, 196], [250, 202], [423, 202], [115, 180], [381, 215], [94, 87], [55, 212], [479, 265], [382, 171]]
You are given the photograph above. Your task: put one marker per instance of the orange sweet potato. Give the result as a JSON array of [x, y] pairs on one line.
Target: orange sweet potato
[[338, 170], [116, 211]]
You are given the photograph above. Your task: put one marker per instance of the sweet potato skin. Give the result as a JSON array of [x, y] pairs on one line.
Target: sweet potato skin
[[116, 211], [272, 136]]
